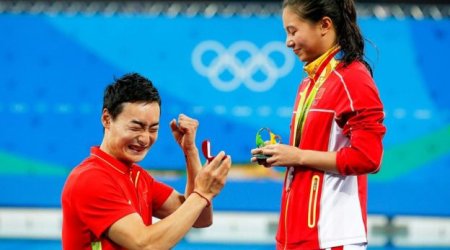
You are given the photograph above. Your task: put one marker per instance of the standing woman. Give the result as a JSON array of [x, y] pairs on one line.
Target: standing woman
[[336, 130]]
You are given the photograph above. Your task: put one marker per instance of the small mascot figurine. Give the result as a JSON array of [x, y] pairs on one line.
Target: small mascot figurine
[[260, 142]]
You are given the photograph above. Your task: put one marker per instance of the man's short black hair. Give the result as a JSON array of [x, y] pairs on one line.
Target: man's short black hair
[[129, 88]]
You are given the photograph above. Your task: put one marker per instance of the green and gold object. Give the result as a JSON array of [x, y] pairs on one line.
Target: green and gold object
[[265, 137]]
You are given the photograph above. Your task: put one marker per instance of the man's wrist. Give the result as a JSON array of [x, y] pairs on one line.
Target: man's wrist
[[192, 150], [208, 201]]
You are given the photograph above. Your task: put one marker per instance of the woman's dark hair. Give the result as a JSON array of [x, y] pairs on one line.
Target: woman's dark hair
[[343, 15], [129, 88]]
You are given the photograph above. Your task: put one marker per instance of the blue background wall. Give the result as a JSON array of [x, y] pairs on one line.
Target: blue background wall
[[53, 70]]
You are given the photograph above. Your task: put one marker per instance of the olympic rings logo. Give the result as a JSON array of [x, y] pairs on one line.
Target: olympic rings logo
[[243, 62]]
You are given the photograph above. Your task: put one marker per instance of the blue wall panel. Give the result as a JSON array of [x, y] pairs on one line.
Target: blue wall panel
[[226, 73]]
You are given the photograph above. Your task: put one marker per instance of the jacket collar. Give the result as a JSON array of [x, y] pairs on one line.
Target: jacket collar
[[110, 161]]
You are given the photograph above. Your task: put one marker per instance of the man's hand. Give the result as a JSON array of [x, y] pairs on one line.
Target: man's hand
[[212, 177], [184, 131]]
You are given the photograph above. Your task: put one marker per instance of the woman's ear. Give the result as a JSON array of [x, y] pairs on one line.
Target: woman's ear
[[106, 119], [326, 24]]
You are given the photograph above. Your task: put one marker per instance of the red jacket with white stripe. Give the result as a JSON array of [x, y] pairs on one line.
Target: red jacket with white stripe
[[322, 209]]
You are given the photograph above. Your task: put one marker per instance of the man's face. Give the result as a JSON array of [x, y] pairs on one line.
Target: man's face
[[129, 137]]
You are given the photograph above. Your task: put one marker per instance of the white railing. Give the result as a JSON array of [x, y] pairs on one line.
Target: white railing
[[242, 228]]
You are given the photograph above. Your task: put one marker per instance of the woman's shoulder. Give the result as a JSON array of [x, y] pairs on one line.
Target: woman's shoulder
[[355, 72], [355, 67]]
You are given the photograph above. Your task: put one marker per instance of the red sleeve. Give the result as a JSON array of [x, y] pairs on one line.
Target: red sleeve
[[362, 117], [160, 194], [100, 201]]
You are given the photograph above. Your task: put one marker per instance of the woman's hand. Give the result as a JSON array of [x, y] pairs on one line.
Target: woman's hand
[[278, 155]]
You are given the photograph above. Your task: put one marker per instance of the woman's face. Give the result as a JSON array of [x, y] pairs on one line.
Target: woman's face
[[304, 37]]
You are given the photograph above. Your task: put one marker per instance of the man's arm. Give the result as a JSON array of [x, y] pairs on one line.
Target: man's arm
[[193, 167], [184, 132], [130, 232]]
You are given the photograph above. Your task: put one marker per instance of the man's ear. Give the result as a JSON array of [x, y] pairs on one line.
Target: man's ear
[[326, 24], [106, 119]]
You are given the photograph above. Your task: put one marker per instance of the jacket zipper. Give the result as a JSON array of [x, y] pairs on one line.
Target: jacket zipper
[[285, 220], [313, 201]]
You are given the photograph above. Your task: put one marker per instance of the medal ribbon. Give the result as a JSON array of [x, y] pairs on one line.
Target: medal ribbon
[[308, 94]]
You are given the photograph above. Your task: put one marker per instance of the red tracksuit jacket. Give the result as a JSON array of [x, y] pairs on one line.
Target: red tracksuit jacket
[[321, 209]]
